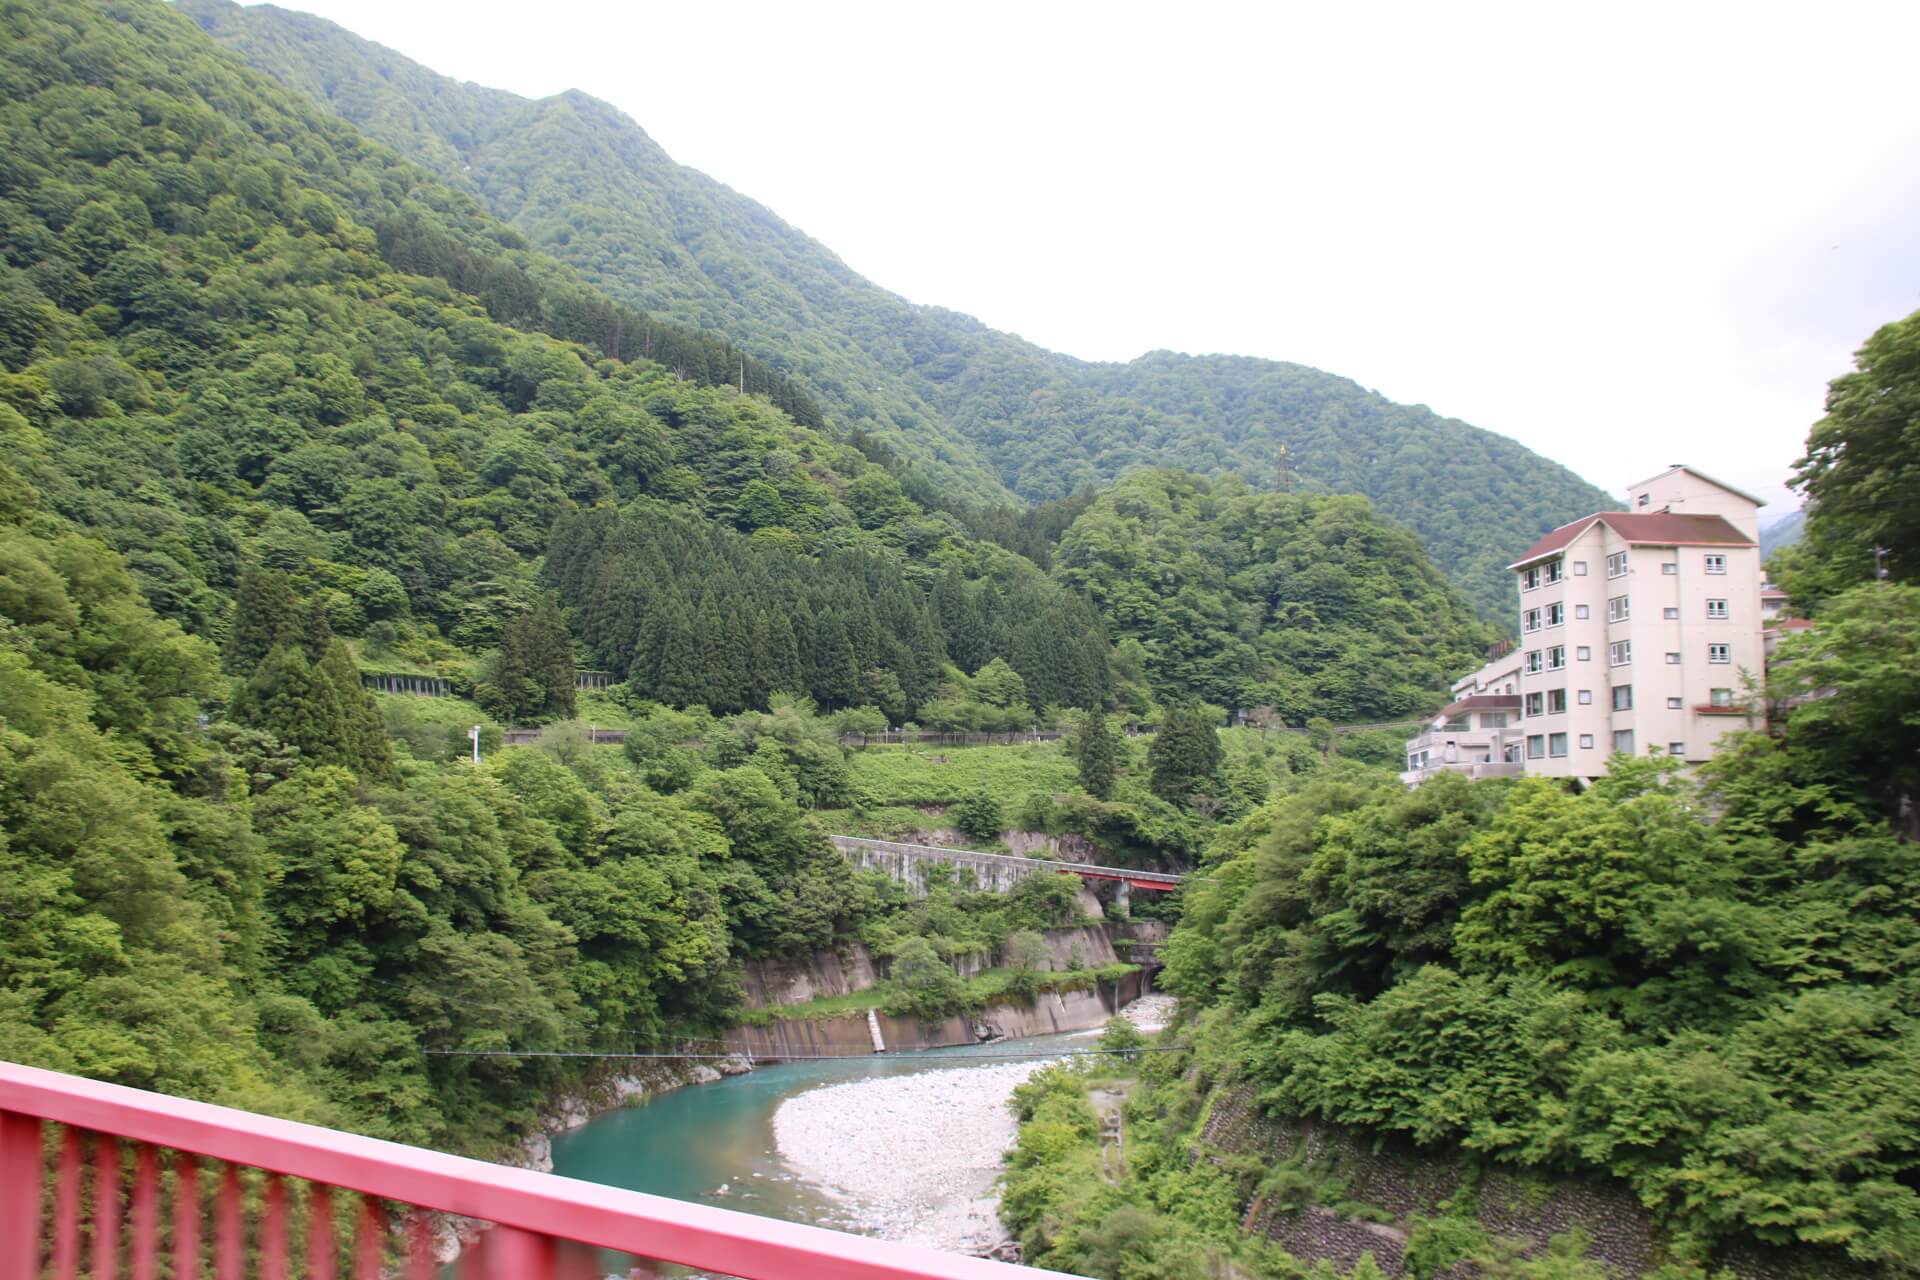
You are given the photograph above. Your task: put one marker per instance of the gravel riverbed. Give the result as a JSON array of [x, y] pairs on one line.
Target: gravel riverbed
[[915, 1158]]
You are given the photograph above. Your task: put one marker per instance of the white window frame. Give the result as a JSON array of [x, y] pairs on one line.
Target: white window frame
[[1716, 563], [1533, 667], [1556, 614], [1556, 657], [1619, 608], [1552, 572], [1530, 579], [1717, 611], [1530, 620], [1620, 653], [1719, 654], [1617, 565]]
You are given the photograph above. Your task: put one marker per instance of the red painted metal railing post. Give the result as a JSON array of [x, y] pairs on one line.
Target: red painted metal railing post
[[273, 1231], [186, 1218], [512, 1254], [229, 1229], [145, 1245], [20, 1167], [66, 1209], [369, 1240], [319, 1232], [106, 1206], [419, 1246]]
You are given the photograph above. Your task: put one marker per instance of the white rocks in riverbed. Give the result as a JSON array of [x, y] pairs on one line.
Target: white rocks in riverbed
[[1150, 1013], [916, 1156]]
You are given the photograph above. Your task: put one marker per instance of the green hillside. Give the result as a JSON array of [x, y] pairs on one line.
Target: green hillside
[[981, 412]]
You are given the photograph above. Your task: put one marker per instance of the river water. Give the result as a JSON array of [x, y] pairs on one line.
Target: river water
[[716, 1143]]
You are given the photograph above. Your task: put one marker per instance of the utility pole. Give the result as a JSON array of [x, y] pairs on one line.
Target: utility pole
[[1880, 570], [474, 734]]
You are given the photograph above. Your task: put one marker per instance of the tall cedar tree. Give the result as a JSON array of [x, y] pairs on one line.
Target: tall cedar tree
[[266, 613], [532, 675], [1184, 756], [299, 705], [1097, 754], [367, 744]]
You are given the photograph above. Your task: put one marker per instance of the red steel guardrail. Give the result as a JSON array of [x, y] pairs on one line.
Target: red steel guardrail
[[109, 1178]]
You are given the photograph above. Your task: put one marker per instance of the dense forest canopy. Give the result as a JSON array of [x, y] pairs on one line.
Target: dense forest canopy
[[1310, 605], [982, 413]]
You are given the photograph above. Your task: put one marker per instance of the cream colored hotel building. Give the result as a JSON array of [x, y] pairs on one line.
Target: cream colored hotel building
[[1638, 629]]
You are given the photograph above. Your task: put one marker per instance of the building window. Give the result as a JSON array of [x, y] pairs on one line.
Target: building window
[[1716, 610], [1556, 744], [1669, 568], [1673, 659], [1556, 614], [1619, 609], [1676, 704], [1533, 662], [1720, 697], [1716, 564], [1586, 742], [1552, 572], [1678, 750], [1623, 741], [1617, 565], [1719, 653], [1586, 697], [1645, 498], [1581, 653], [1623, 697], [1579, 568], [1530, 579], [1671, 615], [1530, 620], [1556, 702], [1535, 705], [1556, 657], [1620, 653], [1493, 720], [1580, 612], [1536, 746]]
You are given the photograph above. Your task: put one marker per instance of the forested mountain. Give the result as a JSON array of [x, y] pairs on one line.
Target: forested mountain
[[981, 412], [268, 391], [1304, 603]]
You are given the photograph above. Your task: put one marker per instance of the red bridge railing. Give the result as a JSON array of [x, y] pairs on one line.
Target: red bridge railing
[[124, 1182]]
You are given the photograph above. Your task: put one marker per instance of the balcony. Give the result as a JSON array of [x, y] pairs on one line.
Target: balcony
[[1475, 770], [247, 1194]]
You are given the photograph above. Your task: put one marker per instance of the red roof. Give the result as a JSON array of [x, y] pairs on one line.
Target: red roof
[[1653, 528]]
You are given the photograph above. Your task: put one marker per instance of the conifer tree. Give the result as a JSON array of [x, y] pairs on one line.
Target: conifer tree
[[298, 705], [1184, 756], [1097, 755], [366, 740], [265, 613]]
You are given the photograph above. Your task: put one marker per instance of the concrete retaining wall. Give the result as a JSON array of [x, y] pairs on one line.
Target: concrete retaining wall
[[791, 980]]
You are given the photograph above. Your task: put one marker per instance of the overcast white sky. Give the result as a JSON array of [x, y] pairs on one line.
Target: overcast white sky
[[1624, 235]]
